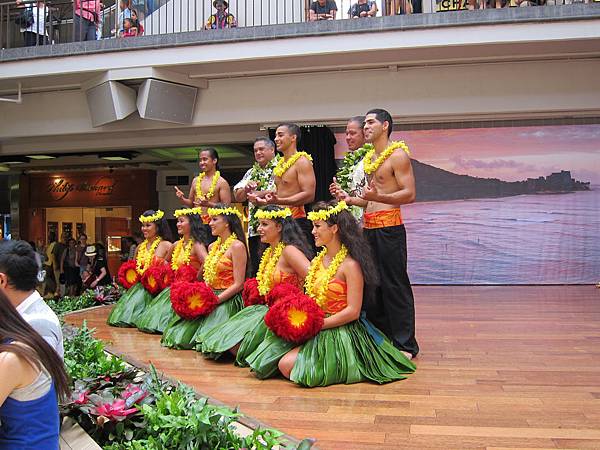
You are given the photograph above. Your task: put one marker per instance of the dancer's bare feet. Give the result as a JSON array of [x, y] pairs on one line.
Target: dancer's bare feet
[[408, 355]]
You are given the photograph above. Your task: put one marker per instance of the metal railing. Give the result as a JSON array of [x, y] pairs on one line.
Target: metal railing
[[61, 21]]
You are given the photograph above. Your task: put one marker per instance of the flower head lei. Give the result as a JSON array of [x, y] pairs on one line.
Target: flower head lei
[[325, 214], [277, 214], [372, 166], [225, 211], [153, 218], [186, 212]]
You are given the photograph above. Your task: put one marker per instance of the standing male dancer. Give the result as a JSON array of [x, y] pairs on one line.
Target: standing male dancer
[[208, 188], [294, 179], [390, 184]]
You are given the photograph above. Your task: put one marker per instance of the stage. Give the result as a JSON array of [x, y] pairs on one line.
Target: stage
[[500, 367]]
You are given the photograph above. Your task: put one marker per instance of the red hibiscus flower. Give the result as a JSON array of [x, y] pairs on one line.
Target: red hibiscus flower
[[281, 291], [192, 300], [186, 272], [295, 318], [250, 293], [128, 275]]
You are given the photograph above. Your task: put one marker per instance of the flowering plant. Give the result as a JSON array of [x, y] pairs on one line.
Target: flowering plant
[[193, 300], [295, 318]]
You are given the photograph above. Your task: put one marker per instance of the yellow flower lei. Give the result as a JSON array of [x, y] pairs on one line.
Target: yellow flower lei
[[269, 260], [325, 214], [153, 218], [372, 166], [270, 215], [282, 165], [187, 211], [309, 285], [199, 194], [226, 211], [177, 259], [214, 256], [144, 256]]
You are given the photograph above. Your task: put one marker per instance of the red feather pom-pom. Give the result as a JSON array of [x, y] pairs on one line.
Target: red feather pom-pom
[[295, 318], [168, 276], [153, 278], [128, 275], [192, 300], [250, 293], [281, 291], [186, 272]]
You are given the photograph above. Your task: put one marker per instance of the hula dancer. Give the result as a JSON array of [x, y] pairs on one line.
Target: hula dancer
[[284, 260], [224, 274], [153, 250], [294, 178], [208, 188], [190, 251], [348, 348]]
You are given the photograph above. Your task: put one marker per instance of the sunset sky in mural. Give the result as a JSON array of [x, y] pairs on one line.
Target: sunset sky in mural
[[509, 154]]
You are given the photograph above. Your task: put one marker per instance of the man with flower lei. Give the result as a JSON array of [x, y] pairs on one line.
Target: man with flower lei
[[256, 179], [317, 339], [390, 184], [152, 252], [209, 187], [350, 178], [202, 306], [283, 267], [294, 178]]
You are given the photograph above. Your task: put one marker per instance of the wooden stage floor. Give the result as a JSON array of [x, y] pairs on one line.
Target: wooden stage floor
[[500, 367]]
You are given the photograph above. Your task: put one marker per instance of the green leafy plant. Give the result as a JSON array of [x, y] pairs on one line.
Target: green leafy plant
[[92, 297]]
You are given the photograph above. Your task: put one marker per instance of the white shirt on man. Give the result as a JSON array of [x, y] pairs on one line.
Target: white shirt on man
[[42, 319]]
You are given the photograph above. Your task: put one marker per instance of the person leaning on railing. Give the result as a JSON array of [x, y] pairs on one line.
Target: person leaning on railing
[[363, 8], [322, 10], [86, 16], [32, 20]]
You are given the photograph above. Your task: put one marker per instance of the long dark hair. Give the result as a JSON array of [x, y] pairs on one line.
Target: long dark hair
[[352, 237], [291, 234], [162, 226], [36, 351], [198, 230]]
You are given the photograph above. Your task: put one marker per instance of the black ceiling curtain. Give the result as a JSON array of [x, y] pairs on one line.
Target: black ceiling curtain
[[318, 141]]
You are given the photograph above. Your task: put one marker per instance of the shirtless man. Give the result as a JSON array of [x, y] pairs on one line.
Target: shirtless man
[[208, 188], [390, 184], [295, 181]]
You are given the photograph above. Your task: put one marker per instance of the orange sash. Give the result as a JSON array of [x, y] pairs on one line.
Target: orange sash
[[297, 211], [382, 219]]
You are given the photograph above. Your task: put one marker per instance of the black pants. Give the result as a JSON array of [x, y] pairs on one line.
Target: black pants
[[392, 307], [306, 227], [254, 250], [32, 39]]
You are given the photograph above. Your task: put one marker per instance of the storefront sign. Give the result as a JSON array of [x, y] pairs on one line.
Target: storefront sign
[[60, 188], [450, 5]]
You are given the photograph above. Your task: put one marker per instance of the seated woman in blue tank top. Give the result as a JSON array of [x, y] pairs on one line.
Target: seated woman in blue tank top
[[32, 379]]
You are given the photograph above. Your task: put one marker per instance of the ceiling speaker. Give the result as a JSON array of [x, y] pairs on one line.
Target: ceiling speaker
[[165, 101], [109, 102]]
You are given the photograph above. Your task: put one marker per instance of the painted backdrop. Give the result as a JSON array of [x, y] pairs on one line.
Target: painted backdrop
[[514, 205]]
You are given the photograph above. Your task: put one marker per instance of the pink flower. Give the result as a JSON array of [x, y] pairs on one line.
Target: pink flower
[[133, 389], [115, 411], [82, 398]]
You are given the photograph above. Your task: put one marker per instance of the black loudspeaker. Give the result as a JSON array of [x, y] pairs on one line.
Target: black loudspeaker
[[109, 102], [165, 101]]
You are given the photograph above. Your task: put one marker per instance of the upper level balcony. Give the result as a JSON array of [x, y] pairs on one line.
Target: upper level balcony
[[431, 66]]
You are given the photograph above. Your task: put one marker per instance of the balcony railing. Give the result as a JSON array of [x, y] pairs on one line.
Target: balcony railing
[[34, 23]]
